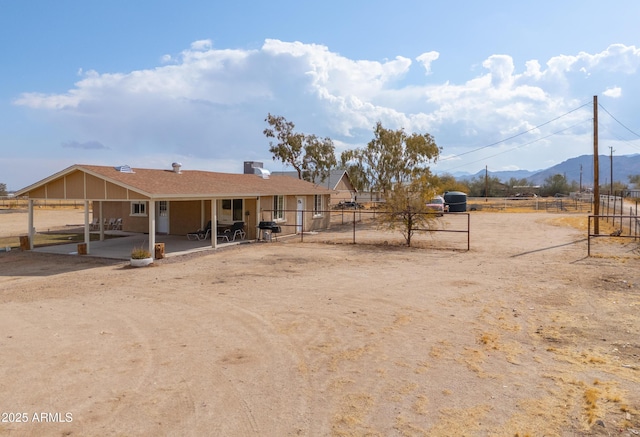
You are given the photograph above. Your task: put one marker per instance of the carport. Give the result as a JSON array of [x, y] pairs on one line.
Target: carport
[[161, 204]]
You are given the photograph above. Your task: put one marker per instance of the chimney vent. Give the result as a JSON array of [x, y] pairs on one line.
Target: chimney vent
[[176, 167]]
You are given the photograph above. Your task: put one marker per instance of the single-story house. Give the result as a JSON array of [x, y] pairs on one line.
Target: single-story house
[[338, 181], [176, 201]]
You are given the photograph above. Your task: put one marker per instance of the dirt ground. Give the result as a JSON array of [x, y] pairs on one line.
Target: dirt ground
[[522, 335]]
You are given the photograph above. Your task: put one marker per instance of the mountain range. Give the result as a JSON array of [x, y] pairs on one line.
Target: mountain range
[[574, 169]]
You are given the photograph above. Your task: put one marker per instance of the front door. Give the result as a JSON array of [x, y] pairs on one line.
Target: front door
[[162, 217]]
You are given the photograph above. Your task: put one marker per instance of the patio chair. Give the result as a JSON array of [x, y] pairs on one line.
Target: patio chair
[[111, 225], [117, 226], [200, 234], [237, 230], [94, 225]]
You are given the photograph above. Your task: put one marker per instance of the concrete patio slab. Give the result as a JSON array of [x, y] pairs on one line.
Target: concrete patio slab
[[120, 247]]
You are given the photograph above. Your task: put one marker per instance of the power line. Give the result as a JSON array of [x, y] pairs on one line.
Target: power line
[[618, 121], [516, 135], [618, 137], [521, 145]]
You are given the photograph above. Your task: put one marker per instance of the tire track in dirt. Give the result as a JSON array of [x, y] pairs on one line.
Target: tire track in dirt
[[267, 350]]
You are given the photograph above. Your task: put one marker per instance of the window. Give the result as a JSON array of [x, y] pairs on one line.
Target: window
[[237, 210], [139, 208], [163, 208], [232, 210], [317, 205], [278, 207]]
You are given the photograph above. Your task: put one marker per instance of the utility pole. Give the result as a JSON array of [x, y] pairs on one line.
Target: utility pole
[[611, 166], [581, 179], [596, 169], [486, 182]]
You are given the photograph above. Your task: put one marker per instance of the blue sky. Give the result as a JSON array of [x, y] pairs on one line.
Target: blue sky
[[147, 83]]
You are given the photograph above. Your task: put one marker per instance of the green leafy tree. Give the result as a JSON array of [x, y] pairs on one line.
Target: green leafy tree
[[391, 157], [634, 179], [447, 182], [309, 155], [555, 184], [515, 186], [617, 187], [395, 163], [486, 187], [319, 158], [3, 189]]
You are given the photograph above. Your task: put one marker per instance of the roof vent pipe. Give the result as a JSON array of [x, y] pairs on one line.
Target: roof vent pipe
[[176, 167]]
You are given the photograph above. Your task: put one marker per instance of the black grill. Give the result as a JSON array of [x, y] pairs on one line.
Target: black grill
[[270, 226]]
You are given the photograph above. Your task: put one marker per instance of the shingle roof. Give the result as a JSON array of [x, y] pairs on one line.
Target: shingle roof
[[195, 183]]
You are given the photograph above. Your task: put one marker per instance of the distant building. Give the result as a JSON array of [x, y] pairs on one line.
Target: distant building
[[338, 181]]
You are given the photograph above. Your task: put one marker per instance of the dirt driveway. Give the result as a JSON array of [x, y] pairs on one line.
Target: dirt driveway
[[522, 335]]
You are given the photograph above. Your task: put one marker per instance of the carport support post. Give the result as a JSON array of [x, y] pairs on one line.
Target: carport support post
[[87, 233], [258, 217], [214, 223], [152, 226], [31, 232], [101, 220]]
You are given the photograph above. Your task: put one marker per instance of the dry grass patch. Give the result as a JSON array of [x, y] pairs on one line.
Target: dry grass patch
[[460, 422], [581, 223], [408, 429], [536, 417], [474, 359], [420, 405], [350, 420]]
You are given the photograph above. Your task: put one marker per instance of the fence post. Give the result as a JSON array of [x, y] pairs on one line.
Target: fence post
[[354, 227], [622, 210], [636, 215], [468, 232], [589, 237]]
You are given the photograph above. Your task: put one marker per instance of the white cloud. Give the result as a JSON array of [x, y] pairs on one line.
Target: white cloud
[[201, 45], [210, 104], [501, 70], [614, 92], [332, 74], [426, 59], [616, 58], [533, 69]]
